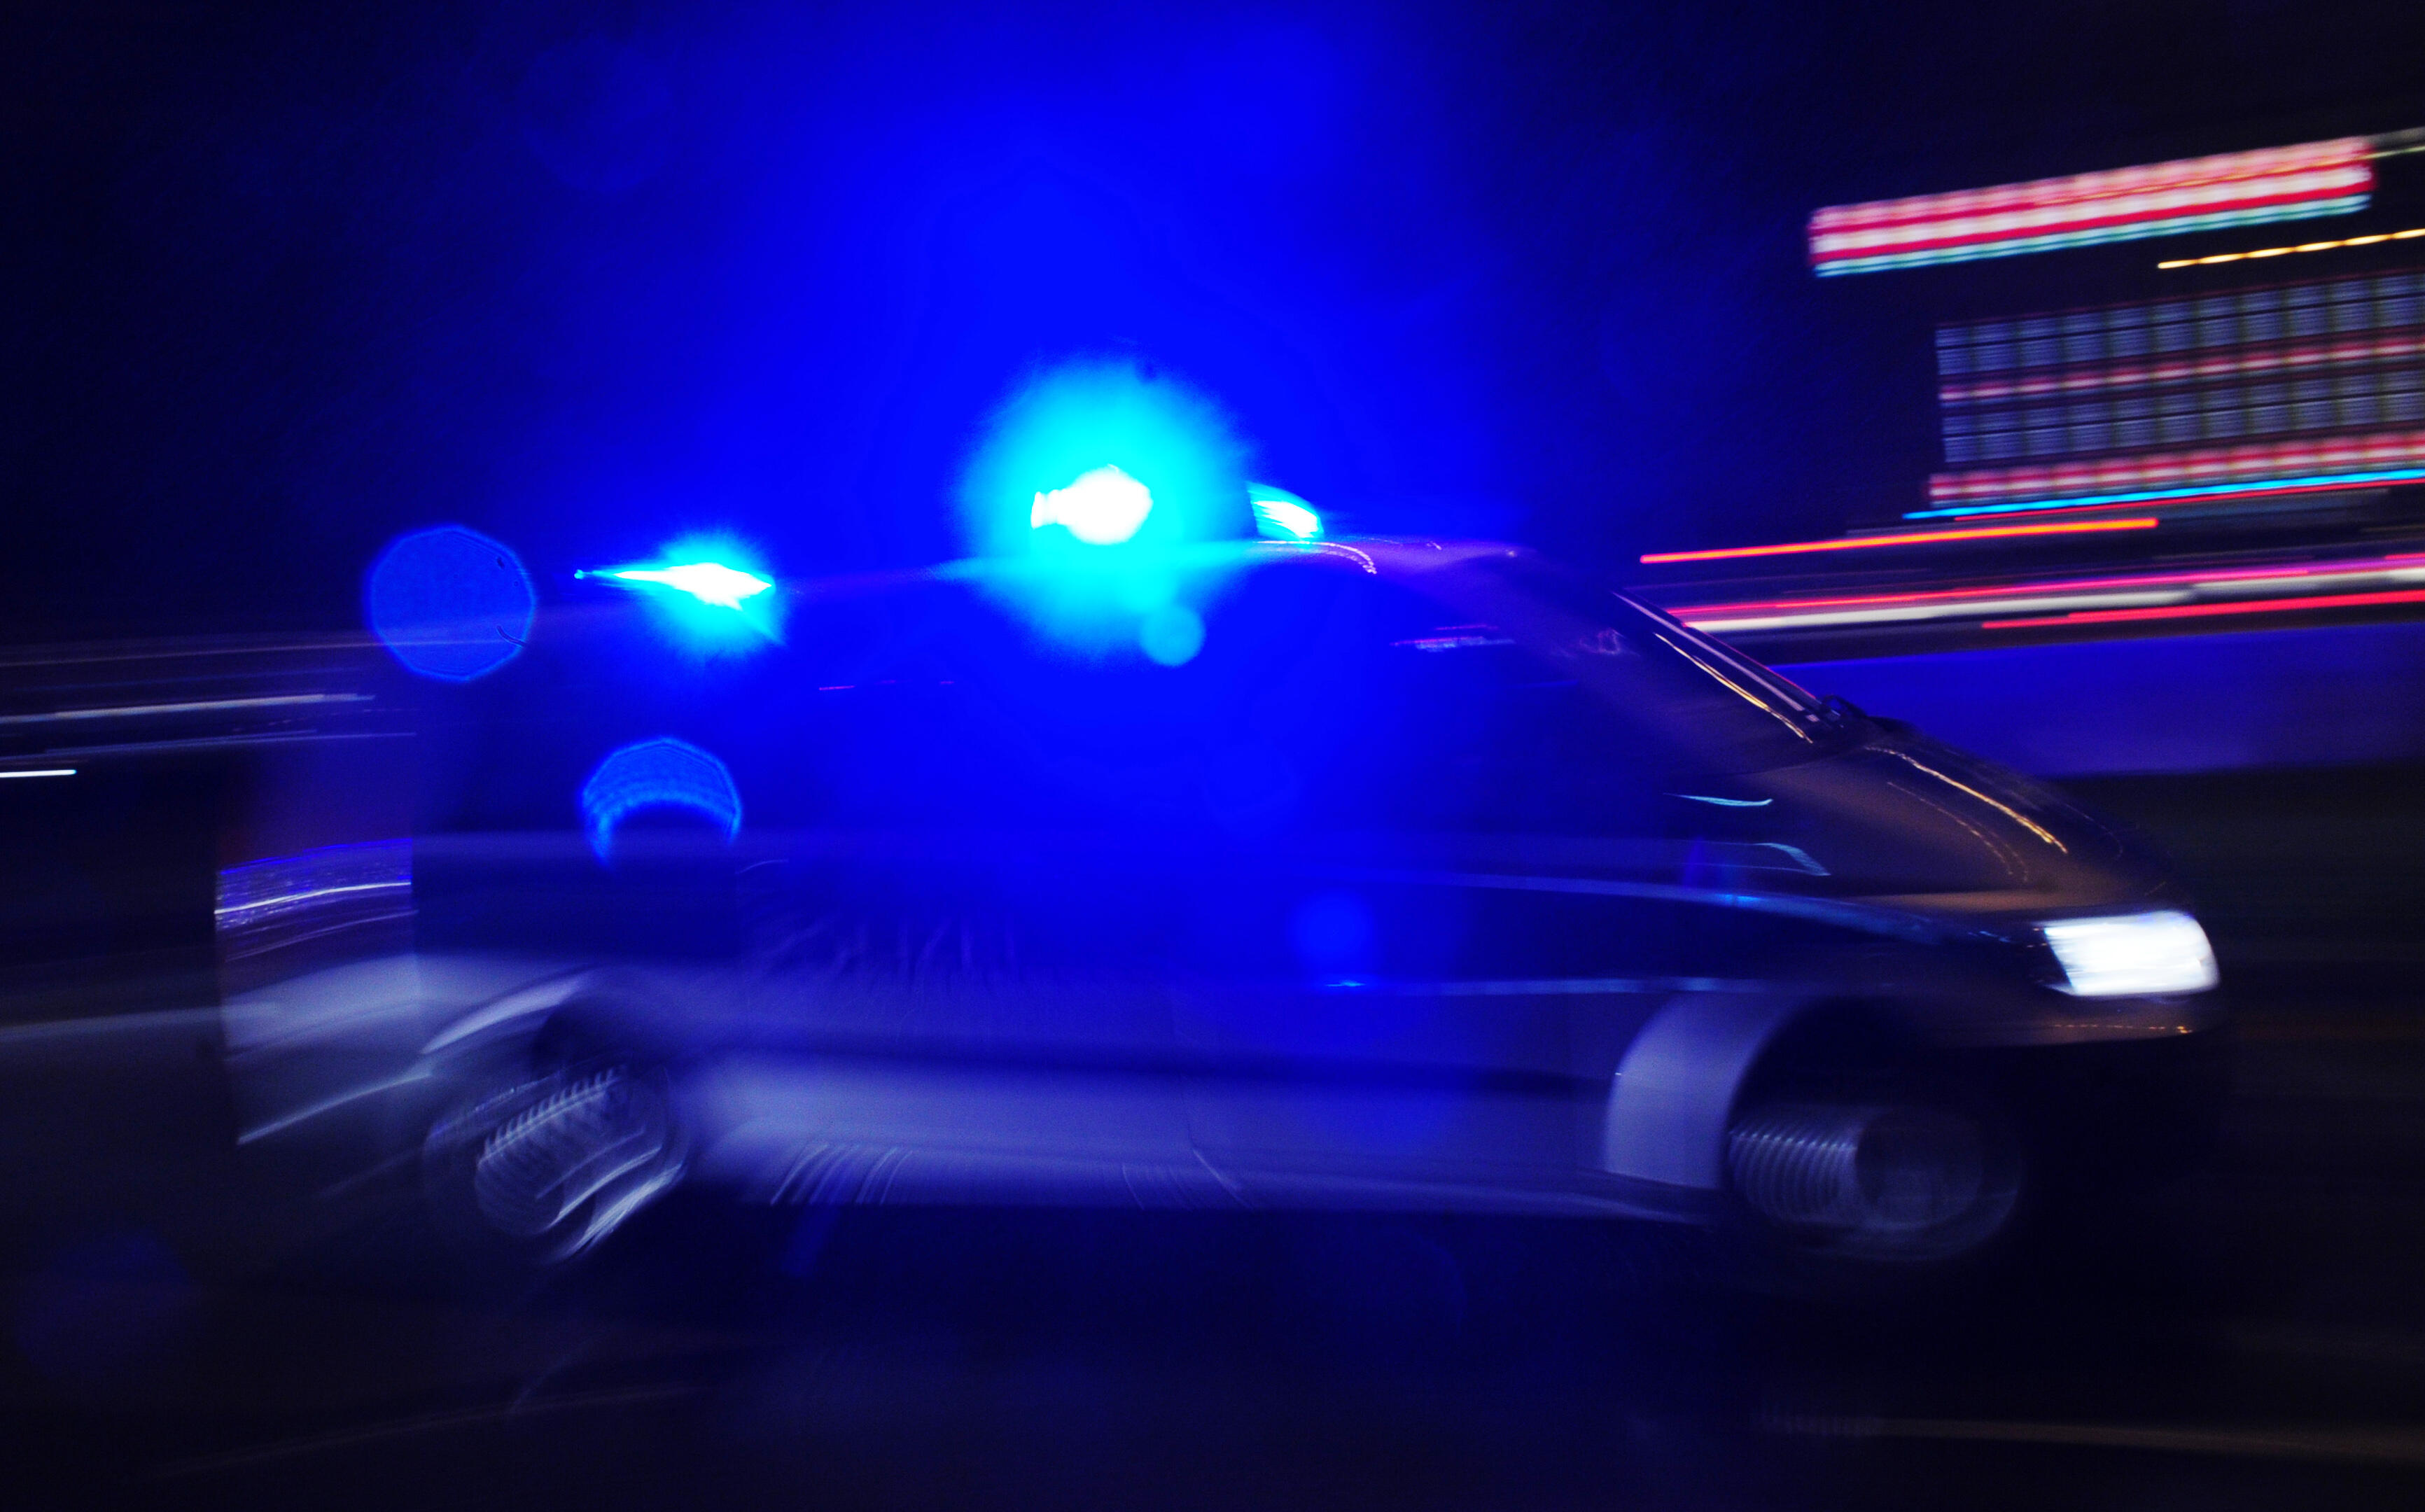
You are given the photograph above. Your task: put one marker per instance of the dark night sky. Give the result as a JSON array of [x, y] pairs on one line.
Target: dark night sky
[[282, 283]]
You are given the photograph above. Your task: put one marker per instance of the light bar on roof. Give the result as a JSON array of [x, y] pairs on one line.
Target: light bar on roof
[[2119, 205]]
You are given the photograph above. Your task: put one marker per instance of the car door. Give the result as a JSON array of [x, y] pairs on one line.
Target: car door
[[1428, 979], [960, 981], [1488, 872]]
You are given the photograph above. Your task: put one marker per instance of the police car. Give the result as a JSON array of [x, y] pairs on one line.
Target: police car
[[1392, 874]]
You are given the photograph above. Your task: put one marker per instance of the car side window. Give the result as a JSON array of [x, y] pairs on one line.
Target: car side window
[[1399, 718]]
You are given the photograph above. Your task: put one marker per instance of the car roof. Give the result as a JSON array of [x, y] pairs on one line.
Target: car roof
[[1399, 559]]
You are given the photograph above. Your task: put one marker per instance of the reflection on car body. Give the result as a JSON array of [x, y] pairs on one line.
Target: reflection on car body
[[1440, 880]]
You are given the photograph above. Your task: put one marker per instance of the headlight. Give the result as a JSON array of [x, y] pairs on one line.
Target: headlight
[[2135, 955]]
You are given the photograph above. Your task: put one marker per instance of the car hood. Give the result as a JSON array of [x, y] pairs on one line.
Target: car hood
[[1904, 818]]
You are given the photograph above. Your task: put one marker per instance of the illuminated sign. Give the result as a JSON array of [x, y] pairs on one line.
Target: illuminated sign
[[2302, 387], [2119, 204]]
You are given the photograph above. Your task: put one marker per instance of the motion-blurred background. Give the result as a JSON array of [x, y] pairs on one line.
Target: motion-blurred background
[[2131, 496]]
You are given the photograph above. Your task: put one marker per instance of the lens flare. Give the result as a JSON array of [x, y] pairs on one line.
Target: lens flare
[[450, 604], [1095, 476], [710, 583], [653, 774], [1171, 635], [708, 594]]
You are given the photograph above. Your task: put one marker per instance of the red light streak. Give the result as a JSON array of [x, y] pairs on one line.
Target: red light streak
[[2195, 611], [2234, 186], [1923, 537], [2035, 590], [2203, 496], [2071, 511]]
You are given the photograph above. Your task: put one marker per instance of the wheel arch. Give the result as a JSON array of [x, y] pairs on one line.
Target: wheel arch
[[1674, 1097]]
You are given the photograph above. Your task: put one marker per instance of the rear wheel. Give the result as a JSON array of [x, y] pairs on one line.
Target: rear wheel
[[537, 1172]]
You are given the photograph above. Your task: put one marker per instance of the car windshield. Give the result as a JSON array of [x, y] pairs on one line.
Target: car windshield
[[1498, 694], [1707, 706]]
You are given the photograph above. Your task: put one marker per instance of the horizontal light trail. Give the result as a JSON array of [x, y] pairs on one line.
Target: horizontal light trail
[[2008, 514], [2136, 590], [1922, 537], [2196, 611], [45, 771], [1914, 612], [1979, 250], [133, 711], [2303, 247], [2183, 496], [2352, 460], [2321, 570], [2047, 209], [2160, 198]]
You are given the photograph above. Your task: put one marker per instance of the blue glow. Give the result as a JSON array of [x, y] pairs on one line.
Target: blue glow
[[2148, 496], [1103, 508], [1171, 635], [1334, 936], [450, 604], [1280, 515], [1098, 472], [710, 583], [663, 772], [708, 594]]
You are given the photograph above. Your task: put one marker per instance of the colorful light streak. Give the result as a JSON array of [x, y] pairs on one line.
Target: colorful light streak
[[2132, 590], [2338, 461], [2194, 611], [1922, 537], [2163, 199], [1981, 252], [2303, 247], [2328, 571], [2057, 509], [2190, 495]]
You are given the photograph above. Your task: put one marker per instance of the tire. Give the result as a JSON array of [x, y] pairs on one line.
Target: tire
[[1916, 1181], [537, 1173]]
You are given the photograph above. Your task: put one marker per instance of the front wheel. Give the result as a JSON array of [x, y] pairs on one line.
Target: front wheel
[[1892, 1182], [538, 1172]]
